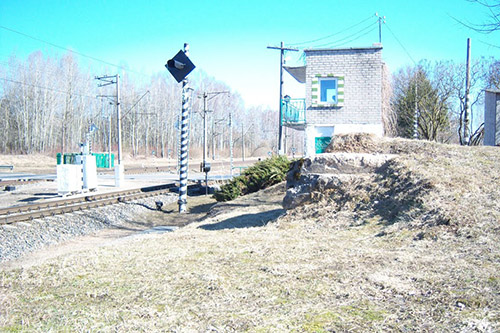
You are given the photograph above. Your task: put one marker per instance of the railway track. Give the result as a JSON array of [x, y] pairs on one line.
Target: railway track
[[140, 170], [5, 184], [56, 207]]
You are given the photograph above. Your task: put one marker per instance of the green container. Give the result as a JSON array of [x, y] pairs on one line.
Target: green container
[[102, 160]]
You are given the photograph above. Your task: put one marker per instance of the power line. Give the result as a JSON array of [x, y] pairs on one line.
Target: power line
[[363, 31], [488, 44], [46, 88], [58, 71], [72, 51], [416, 111], [355, 38], [334, 34], [401, 44]]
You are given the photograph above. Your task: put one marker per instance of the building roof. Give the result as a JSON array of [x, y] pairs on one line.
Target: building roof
[[375, 46]]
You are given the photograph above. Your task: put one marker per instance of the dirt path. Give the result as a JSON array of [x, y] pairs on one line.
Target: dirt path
[[252, 210]]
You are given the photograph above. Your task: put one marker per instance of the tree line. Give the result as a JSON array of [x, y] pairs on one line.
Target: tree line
[[48, 104], [432, 97]]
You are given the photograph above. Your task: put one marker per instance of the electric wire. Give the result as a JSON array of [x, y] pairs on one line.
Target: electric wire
[[13, 67], [401, 44], [355, 38], [488, 44], [46, 88], [334, 34], [72, 51], [340, 41]]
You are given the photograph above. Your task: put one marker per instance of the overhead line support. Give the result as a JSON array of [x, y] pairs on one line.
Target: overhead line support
[[282, 49]]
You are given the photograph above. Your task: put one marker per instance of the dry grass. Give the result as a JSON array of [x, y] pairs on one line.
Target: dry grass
[[426, 260]]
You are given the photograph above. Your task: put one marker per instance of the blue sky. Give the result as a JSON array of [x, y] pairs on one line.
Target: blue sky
[[229, 39]]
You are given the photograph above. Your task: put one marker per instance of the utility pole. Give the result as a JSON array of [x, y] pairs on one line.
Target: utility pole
[[284, 141], [242, 141], [108, 80], [415, 120], [205, 133], [213, 138], [467, 97], [214, 123], [205, 166], [109, 142], [231, 143], [381, 19], [119, 168], [282, 49]]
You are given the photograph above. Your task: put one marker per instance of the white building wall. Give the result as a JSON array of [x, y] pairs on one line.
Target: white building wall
[[362, 107], [492, 118]]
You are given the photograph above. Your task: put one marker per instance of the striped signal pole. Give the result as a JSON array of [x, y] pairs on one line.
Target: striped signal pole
[[183, 170]]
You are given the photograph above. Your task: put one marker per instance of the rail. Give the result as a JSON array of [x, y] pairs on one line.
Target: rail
[[56, 207]]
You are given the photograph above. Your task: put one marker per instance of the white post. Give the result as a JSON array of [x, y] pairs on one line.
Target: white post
[[119, 177]]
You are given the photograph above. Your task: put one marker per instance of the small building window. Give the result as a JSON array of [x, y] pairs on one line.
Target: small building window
[[328, 90]]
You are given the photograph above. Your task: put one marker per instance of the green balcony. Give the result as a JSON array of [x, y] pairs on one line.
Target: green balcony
[[293, 111]]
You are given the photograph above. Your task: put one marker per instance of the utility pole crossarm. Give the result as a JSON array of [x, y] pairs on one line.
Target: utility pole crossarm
[[282, 48], [108, 79]]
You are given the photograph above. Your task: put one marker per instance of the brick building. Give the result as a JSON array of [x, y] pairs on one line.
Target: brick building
[[343, 95]]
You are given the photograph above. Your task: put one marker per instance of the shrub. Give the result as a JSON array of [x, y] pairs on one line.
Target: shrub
[[259, 176]]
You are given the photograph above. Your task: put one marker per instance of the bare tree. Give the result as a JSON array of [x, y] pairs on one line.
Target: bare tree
[[493, 22], [47, 104]]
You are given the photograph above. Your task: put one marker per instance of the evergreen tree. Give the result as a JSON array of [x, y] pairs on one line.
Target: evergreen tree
[[415, 95]]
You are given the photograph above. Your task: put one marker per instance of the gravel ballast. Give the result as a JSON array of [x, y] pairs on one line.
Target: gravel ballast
[[21, 238]]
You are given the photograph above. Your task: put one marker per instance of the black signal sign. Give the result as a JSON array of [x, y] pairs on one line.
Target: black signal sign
[[180, 66]]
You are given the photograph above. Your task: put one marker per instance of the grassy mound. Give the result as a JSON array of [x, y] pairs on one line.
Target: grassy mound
[[428, 185], [260, 176]]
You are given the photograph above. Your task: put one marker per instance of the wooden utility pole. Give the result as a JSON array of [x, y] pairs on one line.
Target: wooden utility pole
[[282, 49], [466, 130]]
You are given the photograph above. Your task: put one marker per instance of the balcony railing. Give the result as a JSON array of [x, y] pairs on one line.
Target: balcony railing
[[293, 111]]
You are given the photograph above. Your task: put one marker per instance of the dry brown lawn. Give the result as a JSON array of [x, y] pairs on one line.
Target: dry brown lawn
[[414, 248]]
